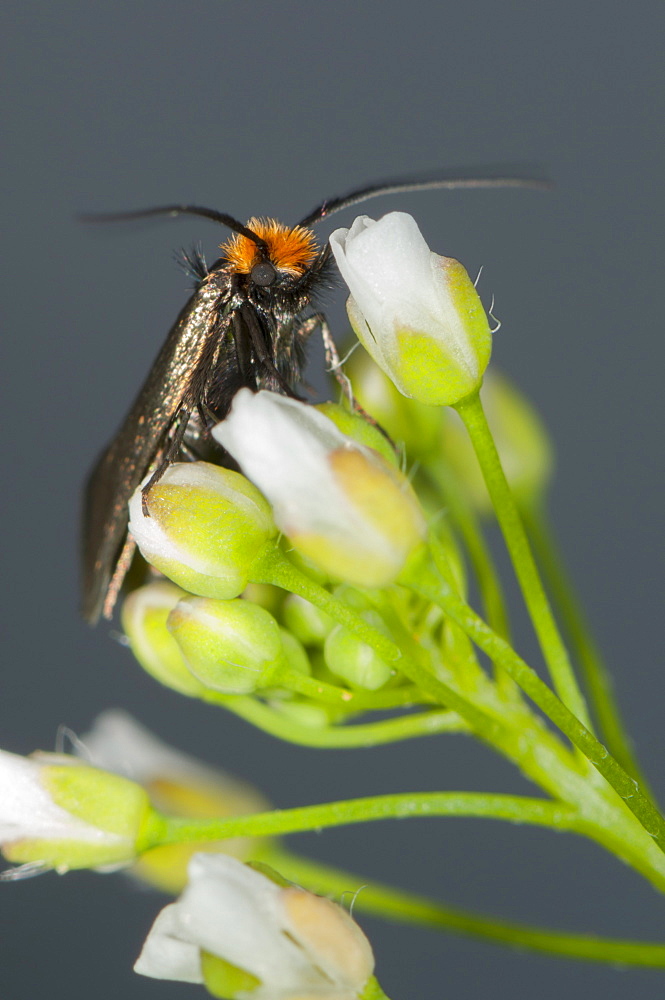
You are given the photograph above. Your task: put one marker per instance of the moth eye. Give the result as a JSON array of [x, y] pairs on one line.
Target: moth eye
[[263, 273]]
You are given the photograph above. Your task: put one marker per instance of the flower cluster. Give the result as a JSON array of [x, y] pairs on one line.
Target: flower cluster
[[283, 577], [324, 582]]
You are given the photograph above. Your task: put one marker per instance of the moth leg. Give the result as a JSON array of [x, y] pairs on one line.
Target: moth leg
[[119, 574], [305, 329], [168, 457], [333, 362], [263, 354]]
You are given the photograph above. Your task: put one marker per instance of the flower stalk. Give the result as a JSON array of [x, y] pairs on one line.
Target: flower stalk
[[404, 907], [552, 645], [582, 641]]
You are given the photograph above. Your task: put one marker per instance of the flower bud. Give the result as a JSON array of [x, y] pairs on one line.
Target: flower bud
[[414, 427], [144, 615], [294, 653], [58, 813], [521, 441], [178, 785], [268, 597], [230, 646], [416, 313], [307, 622], [339, 503], [306, 713], [205, 528], [353, 660], [243, 933]]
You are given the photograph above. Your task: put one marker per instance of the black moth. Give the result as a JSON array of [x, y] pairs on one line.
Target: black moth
[[245, 325]]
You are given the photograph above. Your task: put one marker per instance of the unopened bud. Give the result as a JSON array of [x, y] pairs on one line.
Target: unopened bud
[[307, 622], [205, 528], [353, 660], [339, 503], [144, 615], [242, 932], [230, 646], [416, 313], [59, 813]]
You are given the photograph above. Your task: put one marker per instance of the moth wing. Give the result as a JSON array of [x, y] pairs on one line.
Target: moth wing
[[138, 445]]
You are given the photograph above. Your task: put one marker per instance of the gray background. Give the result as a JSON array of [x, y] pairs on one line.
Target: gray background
[[264, 107]]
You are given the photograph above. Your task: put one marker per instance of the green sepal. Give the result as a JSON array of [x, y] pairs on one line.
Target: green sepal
[[224, 980], [359, 428]]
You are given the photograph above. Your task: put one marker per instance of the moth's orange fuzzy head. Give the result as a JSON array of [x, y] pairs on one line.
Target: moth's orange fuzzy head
[[290, 250]]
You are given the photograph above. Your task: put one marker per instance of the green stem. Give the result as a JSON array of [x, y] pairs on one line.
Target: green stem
[[491, 594], [275, 568], [425, 581], [594, 670], [514, 808], [393, 904], [555, 653], [369, 734], [351, 701]]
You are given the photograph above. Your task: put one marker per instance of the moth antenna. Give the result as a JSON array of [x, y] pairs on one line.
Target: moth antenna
[[173, 211], [333, 205]]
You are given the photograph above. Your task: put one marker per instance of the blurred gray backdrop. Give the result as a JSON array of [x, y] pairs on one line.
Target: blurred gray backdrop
[[259, 107]]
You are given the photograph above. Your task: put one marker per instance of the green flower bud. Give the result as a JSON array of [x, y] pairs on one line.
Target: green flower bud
[[144, 615], [353, 660], [304, 713], [416, 313], [268, 597], [58, 813], [206, 526], [307, 622], [230, 646], [413, 426], [295, 656]]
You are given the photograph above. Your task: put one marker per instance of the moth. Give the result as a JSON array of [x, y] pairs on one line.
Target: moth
[[246, 324]]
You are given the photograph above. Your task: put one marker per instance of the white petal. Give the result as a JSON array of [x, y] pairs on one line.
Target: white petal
[[233, 911], [118, 743], [165, 955], [386, 265], [283, 445], [28, 811]]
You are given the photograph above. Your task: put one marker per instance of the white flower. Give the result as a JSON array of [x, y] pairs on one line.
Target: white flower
[[57, 813], [338, 502], [416, 313], [289, 943]]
